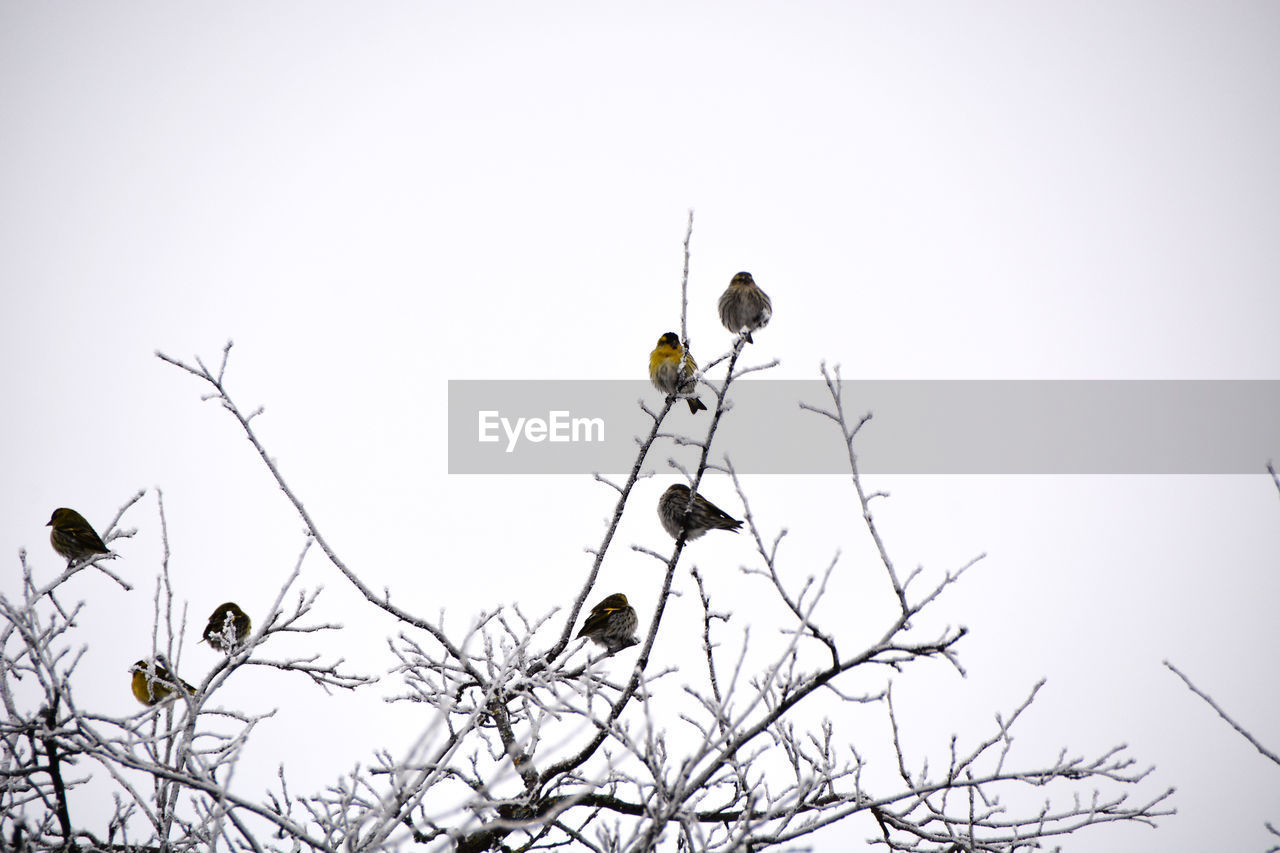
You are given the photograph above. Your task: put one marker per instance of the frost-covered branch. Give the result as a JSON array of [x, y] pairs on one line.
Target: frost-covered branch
[[530, 740]]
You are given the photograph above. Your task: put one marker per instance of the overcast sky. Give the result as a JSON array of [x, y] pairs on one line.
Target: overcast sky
[[372, 199]]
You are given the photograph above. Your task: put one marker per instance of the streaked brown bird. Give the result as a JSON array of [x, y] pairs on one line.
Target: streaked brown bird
[[72, 537], [157, 688], [228, 627], [612, 623], [672, 370], [703, 516], [744, 307]]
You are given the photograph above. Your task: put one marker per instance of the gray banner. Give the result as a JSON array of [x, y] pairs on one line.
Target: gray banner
[[919, 427]]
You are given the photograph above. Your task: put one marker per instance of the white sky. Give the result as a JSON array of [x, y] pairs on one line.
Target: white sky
[[373, 199]]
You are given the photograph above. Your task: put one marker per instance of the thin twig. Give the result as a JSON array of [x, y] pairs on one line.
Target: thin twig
[[1223, 714]]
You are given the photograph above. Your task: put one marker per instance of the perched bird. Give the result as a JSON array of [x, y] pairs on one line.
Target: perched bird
[[702, 517], [673, 371], [744, 307], [612, 623], [72, 537], [228, 627], [157, 688]]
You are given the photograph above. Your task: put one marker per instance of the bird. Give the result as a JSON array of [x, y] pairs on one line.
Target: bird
[[673, 371], [157, 688], [744, 307], [611, 623], [73, 538], [228, 615], [703, 516]]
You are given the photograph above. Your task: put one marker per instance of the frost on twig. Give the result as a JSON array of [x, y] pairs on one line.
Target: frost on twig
[[1241, 730], [1227, 718]]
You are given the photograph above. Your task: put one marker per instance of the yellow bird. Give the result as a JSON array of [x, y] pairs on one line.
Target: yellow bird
[[673, 371], [156, 689], [612, 623]]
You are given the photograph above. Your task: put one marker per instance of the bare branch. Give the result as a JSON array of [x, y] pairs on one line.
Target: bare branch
[[1223, 714]]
